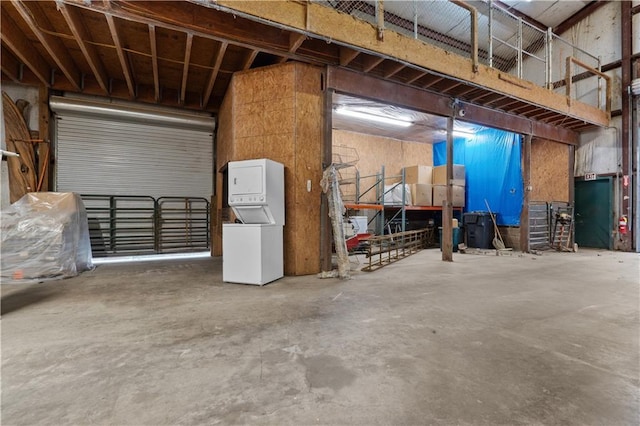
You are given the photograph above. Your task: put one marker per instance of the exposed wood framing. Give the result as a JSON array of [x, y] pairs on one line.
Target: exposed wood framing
[[124, 63], [370, 62], [326, 235], [343, 29], [23, 49], [347, 55], [248, 60], [81, 36], [10, 65], [153, 41], [185, 68], [39, 23], [393, 69], [214, 73], [450, 86], [295, 41], [430, 83], [418, 75]]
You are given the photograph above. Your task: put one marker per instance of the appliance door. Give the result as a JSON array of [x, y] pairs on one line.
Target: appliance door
[[251, 253], [253, 214]]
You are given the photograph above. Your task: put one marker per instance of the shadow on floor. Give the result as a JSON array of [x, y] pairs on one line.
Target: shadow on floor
[[29, 296]]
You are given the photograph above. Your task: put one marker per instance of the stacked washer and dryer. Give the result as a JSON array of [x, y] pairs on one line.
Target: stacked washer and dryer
[[253, 249]]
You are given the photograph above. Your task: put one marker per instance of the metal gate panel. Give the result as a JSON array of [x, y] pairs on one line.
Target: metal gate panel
[[539, 229], [96, 155]]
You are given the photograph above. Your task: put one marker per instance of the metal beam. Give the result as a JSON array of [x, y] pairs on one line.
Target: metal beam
[[185, 68], [153, 41], [625, 133], [23, 49], [81, 36], [214, 73], [124, 63], [578, 16], [369, 87]]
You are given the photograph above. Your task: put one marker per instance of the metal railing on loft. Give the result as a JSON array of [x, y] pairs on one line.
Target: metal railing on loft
[[492, 36]]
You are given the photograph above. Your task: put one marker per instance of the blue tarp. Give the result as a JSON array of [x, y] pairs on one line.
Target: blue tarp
[[493, 172]]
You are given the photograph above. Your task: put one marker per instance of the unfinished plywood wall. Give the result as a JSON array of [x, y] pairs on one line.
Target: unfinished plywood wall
[[376, 151], [277, 114], [549, 171]]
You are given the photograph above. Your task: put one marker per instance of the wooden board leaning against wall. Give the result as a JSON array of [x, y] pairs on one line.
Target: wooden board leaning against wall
[[276, 112]]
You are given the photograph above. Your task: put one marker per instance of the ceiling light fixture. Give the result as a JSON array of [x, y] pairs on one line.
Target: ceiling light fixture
[[372, 117]]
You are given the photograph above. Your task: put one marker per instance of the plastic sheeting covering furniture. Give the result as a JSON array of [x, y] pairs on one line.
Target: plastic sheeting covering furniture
[[44, 235]]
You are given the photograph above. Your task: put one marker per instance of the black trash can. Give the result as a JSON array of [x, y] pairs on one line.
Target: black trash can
[[478, 229]]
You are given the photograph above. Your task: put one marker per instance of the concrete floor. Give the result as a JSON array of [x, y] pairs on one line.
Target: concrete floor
[[549, 339]]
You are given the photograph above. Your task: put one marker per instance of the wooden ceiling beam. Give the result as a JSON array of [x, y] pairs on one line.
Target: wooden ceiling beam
[[10, 66], [465, 91], [153, 40], [124, 63], [23, 49], [436, 80], [185, 68], [214, 74], [36, 20], [370, 62], [393, 69], [452, 85], [347, 55], [248, 60], [82, 37], [295, 41], [417, 76]]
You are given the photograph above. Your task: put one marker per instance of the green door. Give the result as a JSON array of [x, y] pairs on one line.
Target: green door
[[594, 220]]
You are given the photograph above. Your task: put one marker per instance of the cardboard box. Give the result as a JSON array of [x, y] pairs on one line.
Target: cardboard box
[[421, 194], [440, 193], [440, 175], [418, 174]]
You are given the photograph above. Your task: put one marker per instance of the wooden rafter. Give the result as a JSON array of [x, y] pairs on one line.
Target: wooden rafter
[[23, 49], [36, 20], [154, 61], [450, 86], [10, 65], [417, 76], [432, 82], [295, 41], [347, 55], [468, 89], [124, 63], [248, 60], [185, 68], [393, 69], [214, 73], [81, 36], [370, 62]]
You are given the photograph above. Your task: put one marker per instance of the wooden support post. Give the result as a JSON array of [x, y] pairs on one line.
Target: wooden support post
[[447, 205], [571, 183], [526, 178], [44, 149], [325, 224]]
